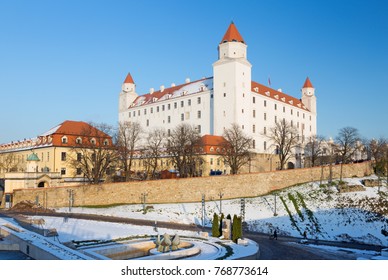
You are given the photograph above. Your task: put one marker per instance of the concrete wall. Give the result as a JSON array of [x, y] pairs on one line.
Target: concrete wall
[[185, 190]]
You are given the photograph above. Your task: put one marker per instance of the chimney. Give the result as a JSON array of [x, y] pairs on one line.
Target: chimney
[[162, 88], [187, 80], [152, 90], [172, 84]]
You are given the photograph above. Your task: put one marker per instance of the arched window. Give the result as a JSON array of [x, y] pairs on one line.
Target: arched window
[[64, 140]]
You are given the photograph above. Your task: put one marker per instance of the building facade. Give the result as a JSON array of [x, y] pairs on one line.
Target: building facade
[[230, 96], [46, 161]]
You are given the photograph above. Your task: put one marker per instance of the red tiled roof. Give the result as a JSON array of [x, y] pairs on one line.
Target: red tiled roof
[[128, 79], [277, 95], [146, 98], [232, 35], [308, 84]]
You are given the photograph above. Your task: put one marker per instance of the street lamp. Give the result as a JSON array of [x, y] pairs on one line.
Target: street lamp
[[220, 195]]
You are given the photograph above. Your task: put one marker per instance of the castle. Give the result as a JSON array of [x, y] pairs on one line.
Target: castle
[[212, 104]]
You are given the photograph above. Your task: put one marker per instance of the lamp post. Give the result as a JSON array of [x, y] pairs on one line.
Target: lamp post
[[220, 195], [143, 200]]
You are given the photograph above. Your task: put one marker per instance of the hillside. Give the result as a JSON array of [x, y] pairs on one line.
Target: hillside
[[323, 211]]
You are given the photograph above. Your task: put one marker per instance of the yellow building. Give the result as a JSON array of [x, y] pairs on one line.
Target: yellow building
[[48, 160]]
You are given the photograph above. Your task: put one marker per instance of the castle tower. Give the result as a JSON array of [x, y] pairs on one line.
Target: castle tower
[[308, 96], [127, 95], [231, 83]]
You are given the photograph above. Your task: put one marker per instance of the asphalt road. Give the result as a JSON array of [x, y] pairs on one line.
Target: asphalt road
[[284, 248]]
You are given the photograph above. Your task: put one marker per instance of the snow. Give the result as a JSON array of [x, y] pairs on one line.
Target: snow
[[324, 214], [336, 216]]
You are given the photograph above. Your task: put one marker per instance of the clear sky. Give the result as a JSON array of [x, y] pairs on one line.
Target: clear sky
[[66, 59]]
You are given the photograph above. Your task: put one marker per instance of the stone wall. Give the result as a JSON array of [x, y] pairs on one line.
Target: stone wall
[[185, 190]]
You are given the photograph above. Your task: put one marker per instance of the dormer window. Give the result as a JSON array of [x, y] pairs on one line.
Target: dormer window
[[64, 140], [106, 142], [78, 140], [93, 141]]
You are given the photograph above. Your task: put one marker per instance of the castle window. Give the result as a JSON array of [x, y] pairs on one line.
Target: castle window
[[224, 94], [182, 103], [182, 117], [169, 119], [284, 109], [276, 119], [254, 144], [175, 105], [78, 140], [162, 107], [79, 156], [242, 111], [265, 116], [129, 114], [292, 111], [265, 130], [63, 171], [138, 113], [199, 128], [297, 113], [254, 100], [303, 115], [152, 110], [145, 111], [253, 128], [168, 106], [254, 113], [276, 107], [157, 108], [199, 100], [211, 161], [265, 145], [148, 122], [79, 171], [106, 142], [199, 114], [189, 102], [265, 103], [63, 156], [64, 140]]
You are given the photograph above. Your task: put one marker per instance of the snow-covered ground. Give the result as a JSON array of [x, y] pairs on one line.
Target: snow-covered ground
[[321, 211]]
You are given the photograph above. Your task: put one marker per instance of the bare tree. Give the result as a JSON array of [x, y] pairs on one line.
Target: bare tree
[[348, 142], [314, 149], [127, 140], [93, 153], [236, 148], [181, 147], [153, 150], [379, 154], [9, 163], [284, 138]]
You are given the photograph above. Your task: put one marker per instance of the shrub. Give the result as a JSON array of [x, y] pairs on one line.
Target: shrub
[[215, 226]]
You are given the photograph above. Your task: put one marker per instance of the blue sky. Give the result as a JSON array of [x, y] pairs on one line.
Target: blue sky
[[66, 60]]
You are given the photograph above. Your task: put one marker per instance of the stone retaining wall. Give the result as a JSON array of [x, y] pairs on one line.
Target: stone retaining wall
[[185, 190]]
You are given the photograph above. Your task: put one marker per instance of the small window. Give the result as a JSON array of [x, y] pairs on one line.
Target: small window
[[168, 106], [157, 108], [163, 107], [182, 103], [199, 128], [199, 114], [129, 114], [224, 94], [292, 111], [265, 145], [79, 171], [254, 100], [253, 128], [265, 116], [148, 122], [254, 144], [265, 103], [276, 106], [152, 110], [199, 100], [64, 140], [168, 119], [189, 102], [63, 171], [93, 141], [284, 109], [182, 117], [145, 111], [265, 130], [63, 156], [175, 105], [254, 113], [106, 142], [79, 156], [78, 140]]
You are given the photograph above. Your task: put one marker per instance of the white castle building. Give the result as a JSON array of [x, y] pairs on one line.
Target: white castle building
[[231, 96]]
